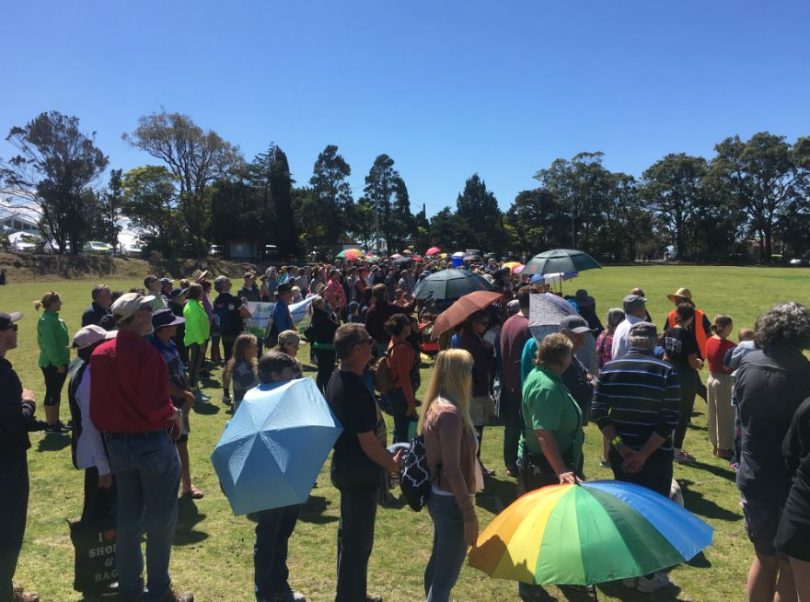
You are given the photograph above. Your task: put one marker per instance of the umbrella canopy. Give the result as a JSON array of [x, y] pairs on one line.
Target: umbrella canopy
[[274, 447], [512, 265], [519, 269], [396, 256], [588, 533], [350, 254], [553, 279], [560, 260], [433, 251], [462, 309], [458, 254], [450, 284]]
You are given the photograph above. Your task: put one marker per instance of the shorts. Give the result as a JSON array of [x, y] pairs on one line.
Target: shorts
[[761, 523], [481, 408]]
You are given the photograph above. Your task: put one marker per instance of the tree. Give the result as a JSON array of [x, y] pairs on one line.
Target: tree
[[386, 192], [333, 192], [281, 192], [311, 231], [195, 157], [109, 210], [528, 220], [765, 176], [363, 223], [479, 209], [150, 201], [672, 186], [54, 168]]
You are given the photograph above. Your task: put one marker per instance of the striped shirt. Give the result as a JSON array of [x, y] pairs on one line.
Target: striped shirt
[[639, 395]]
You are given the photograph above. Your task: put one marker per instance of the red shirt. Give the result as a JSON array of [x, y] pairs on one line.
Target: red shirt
[[514, 334], [129, 391], [715, 352]]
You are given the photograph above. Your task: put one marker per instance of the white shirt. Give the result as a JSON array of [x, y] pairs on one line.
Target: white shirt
[[90, 450], [621, 336]]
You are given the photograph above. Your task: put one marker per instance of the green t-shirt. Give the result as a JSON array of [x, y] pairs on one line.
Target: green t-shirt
[[548, 405]]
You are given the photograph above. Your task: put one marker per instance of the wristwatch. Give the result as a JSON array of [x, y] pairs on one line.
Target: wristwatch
[[616, 442]]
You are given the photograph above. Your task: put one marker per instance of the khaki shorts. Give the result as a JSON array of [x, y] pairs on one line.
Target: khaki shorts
[[481, 408]]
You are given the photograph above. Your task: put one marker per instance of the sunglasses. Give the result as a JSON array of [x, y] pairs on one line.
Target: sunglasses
[[13, 327]]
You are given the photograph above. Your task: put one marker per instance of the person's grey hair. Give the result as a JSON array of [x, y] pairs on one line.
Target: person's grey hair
[[637, 342], [615, 316], [786, 325]]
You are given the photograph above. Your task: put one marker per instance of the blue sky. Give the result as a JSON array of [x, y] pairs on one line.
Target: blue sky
[[447, 88]]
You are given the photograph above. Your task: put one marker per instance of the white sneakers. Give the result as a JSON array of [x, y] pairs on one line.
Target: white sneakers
[[650, 585]]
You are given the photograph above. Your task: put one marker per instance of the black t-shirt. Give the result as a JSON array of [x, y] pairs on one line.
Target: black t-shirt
[[355, 407], [228, 307], [796, 449], [679, 345]]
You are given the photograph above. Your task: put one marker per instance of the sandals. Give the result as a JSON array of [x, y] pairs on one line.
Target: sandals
[[194, 493], [683, 457]]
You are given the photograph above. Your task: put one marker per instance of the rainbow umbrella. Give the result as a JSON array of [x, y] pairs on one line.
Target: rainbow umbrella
[[589, 533], [513, 265], [350, 254], [433, 251]]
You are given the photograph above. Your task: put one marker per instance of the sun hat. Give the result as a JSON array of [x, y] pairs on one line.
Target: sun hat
[[199, 274], [575, 324], [283, 288], [127, 304], [7, 319], [631, 302], [177, 292], [90, 335], [166, 280], [682, 293], [165, 317]]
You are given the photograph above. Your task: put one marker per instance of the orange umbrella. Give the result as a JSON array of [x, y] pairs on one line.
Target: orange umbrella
[[462, 309]]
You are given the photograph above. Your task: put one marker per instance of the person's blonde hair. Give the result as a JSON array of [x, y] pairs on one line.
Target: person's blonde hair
[[553, 349], [239, 353], [46, 300], [452, 381]]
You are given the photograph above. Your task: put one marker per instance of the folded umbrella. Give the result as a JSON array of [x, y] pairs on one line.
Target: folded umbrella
[[588, 533], [462, 309], [274, 447]]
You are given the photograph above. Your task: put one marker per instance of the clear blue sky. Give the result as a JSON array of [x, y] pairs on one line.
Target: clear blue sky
[[447, 88]]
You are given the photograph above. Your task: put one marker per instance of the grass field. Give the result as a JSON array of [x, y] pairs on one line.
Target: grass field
[[213, 549]]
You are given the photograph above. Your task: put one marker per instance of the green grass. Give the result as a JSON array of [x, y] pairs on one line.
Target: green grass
[[212, 555]]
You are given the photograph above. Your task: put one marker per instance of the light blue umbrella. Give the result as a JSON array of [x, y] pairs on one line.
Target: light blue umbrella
[[274, 447]]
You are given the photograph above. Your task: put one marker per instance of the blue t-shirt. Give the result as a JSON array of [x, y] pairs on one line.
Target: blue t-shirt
[[281, 317]]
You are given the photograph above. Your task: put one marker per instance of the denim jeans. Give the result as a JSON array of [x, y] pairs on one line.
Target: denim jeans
[[273, 530], [449, 548], [358, 511], [512, 425], [147, 471], [399, 411], [13, 512]]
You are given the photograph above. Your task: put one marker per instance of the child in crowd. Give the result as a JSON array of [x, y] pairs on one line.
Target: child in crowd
[[718, 385], [241, 368]]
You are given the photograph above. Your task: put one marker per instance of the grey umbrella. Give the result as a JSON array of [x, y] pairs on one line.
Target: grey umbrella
[[450, 284], [560, 260]]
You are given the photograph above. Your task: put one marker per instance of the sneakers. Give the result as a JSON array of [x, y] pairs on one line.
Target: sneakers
[[604, 463], [683, 457], [226, 400], [20, 595], [290, 596], [657, 582], [57, 428]]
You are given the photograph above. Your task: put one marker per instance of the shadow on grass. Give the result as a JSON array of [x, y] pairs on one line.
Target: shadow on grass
[[210, 383], [53, 443], [99, 597], [695, 502], [206, 409], [188, 515], [616, 589], [497, 495], [314, 511], [718, 471], [700, 562]]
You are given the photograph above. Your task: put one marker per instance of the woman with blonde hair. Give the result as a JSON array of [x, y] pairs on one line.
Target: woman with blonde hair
[[54, 356], [241, 368], [450, 445]]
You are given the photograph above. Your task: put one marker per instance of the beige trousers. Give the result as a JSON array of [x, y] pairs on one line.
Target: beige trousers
[[721, 412]]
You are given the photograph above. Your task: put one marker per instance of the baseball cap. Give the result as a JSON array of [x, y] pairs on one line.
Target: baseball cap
[[165, 280], [574, 323], [90, 335], [631, 302], [7, 319], [165, 317], [177, 292], [127, 304], [643, 330]]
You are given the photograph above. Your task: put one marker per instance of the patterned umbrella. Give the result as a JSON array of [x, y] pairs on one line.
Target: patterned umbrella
[[350, 254]]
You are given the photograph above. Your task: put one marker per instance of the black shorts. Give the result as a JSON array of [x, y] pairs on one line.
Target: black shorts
[[761, 523]]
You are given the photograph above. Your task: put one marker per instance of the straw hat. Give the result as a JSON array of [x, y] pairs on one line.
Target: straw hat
[[682, 293]]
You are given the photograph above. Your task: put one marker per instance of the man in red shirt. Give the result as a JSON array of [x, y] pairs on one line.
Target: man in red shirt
[[514, 334], [130, 404]]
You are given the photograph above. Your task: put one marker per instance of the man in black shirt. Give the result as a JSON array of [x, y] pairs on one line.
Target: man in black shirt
[[100, 307], [358, 461], [17, 407], [576, 377]]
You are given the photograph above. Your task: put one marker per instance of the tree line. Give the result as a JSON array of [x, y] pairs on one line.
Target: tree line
[[201, 190]]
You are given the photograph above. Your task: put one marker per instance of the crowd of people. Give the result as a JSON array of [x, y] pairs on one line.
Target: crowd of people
[[142, 356]]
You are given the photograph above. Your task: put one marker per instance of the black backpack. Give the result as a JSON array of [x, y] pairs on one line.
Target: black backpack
[[415, 478]]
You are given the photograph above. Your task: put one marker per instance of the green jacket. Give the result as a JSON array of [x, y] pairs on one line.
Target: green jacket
[[198, 328], [53, 340]]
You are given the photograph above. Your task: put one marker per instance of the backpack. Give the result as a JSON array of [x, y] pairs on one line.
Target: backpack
[[415, 478], [383, 377]]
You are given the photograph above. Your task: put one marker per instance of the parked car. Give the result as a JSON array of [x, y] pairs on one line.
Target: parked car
[[24, 241], [800, 261], [96, 246]]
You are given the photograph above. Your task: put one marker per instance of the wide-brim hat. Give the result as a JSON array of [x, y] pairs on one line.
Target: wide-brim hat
[[284, 288], [165, 317], [198, 275], [682, 293]]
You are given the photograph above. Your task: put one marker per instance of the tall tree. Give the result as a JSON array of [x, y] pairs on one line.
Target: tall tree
[[110, 209], [478, 207], [54, 168], [363, 223], [529, 220], [195, 157], [672, 186], [333, 191], [384, 189], [765, 176], [281, 190], [150, 201]]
